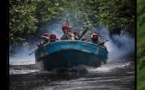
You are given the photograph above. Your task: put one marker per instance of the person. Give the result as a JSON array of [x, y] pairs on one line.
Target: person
[[67, 35], [84, 39], [95, 39], [45, 40], [76, 35], [53, 37], [70, 29]]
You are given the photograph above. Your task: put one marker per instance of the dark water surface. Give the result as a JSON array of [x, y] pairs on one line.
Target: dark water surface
[[112, 76]]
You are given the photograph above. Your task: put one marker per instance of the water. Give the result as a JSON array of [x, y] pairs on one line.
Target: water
[[111, 76]]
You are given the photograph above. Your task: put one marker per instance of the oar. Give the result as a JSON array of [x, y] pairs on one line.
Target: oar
[[32, 52], [37, 45], [67, 21], [83, 33]]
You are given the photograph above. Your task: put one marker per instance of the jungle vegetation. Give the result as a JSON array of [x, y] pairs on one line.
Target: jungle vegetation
[[27, 18]]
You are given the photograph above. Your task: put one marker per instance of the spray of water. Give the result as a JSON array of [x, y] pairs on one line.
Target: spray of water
[[109, 67], [22, 56], [117, 45]]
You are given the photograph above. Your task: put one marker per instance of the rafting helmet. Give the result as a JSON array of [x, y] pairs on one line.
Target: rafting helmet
[[53, 35], [46, 34], [65, 27], [83, 39], [94, 33]]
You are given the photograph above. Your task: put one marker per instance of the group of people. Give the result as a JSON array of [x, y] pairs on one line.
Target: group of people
[[48, 39], [68, 35]]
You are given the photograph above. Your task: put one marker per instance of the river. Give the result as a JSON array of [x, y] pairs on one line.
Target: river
[[115, 75]]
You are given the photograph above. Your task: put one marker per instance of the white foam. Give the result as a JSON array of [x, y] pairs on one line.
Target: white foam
[[21, 62], [22, 71], [109, 67]]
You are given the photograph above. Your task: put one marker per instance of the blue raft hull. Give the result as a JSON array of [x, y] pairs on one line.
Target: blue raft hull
[[70, 53]]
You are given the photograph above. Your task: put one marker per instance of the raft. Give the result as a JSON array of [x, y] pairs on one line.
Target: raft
[[69, 53]]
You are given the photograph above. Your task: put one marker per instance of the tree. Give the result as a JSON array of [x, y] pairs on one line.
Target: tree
[[117, 13], [28, 18]]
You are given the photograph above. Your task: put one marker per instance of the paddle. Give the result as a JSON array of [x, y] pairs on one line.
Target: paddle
[[83, 33], [38, 44], [32, 52], [67, 21]]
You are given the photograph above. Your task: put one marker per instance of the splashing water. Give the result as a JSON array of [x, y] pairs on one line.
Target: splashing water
[[109, 67], [118, 46], [22, 71]]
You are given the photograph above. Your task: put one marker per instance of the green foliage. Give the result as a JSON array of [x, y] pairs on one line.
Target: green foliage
[[21, 21], [117, 13], [26, 44], [27, 18]]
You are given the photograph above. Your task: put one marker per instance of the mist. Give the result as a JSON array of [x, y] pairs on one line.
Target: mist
[[117, 46], [22, 56]]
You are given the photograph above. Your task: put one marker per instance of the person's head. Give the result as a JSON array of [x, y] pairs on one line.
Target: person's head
[[70, 28], [84, 39], [76, 33], [45, 36], [65, 29], [95, 35], [52, 37]]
